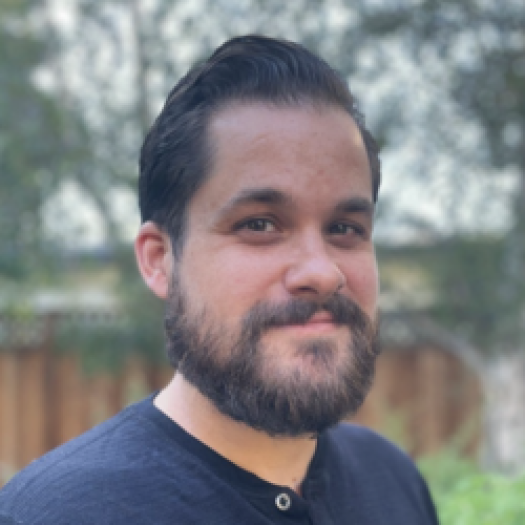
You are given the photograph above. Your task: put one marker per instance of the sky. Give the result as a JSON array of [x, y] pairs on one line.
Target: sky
[[414, 169]]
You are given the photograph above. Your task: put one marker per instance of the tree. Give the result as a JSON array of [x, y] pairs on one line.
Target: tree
[[40, 141], [136, 51], [475, 52], [444, 87]]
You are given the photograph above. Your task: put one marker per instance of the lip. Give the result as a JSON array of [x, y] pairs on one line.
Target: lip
[[319, 322], [321, 318]]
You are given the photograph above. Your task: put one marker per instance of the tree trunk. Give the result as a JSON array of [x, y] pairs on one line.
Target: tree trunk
[[504, 382]]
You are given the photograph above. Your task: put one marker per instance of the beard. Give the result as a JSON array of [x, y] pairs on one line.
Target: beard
[[235, 373]]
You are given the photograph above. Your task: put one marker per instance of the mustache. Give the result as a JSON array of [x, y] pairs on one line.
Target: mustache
[[265, 315]]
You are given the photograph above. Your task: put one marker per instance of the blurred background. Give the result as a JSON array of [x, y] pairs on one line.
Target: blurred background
[[442, 85]]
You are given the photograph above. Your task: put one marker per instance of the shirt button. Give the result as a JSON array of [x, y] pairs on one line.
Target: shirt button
[[283, 501]]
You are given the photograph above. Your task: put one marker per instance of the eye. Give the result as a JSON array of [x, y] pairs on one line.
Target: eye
[[258, 225], [343, 228]]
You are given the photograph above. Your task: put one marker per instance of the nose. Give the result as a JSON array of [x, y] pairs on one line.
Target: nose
[[314, 274]]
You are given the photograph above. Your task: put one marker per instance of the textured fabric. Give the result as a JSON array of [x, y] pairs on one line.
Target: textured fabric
[[140, 467]]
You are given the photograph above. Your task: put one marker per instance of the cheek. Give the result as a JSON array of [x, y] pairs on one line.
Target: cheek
[[230, 282], [363, 282]]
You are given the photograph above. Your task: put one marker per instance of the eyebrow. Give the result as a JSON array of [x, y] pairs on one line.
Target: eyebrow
[[276, 197], [356, 205], [257, 195]]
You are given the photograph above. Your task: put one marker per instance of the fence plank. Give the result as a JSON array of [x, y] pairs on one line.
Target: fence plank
[[105, 397], [433, 406], [10, 412], [71, 399], [33, 409]]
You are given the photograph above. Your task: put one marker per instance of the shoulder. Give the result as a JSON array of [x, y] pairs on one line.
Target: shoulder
[[64, 482], [367, 446], [379, 471], [364, 451]]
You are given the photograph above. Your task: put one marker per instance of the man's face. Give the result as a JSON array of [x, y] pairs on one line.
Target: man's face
[[272, 309]]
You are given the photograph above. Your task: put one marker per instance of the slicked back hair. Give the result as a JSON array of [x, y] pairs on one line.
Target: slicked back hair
[[176, 156]]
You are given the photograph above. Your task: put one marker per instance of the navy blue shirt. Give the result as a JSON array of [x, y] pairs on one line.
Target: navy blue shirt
[[141, 467]]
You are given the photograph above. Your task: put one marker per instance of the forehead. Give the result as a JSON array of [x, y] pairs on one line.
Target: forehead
[[241, 130], [298, 150]]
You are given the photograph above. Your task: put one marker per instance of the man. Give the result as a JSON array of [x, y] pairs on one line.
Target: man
[[257, 190]]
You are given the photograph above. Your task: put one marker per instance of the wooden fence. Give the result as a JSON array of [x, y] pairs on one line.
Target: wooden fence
[[425, 398], [422, 396]]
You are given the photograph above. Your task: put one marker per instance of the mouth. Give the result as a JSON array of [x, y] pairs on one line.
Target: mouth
[[320, 322]]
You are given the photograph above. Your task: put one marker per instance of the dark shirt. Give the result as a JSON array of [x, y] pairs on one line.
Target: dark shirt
[[141, 467]]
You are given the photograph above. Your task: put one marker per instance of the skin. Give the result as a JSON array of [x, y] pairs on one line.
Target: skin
[[286, 212]]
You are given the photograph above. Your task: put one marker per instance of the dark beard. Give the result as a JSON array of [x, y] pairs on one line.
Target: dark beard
[[228, 370]]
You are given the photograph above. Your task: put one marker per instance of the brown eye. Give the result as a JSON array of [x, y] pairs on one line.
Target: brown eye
[[341, 228], [259, 225], [344, 229]]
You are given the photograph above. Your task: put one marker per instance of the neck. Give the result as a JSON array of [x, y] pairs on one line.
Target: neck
[[279, 460]]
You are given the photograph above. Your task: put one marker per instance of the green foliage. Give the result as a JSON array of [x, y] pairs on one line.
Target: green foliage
[[89, 125], [474, 52], [465, 495], [479, 46], [469, 269], [462, 275], [41, 140], [133, 326]]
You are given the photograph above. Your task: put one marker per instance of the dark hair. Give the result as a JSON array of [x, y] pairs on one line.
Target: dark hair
[[176, 155]]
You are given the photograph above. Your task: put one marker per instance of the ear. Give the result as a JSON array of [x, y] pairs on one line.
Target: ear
[[154, 258]]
